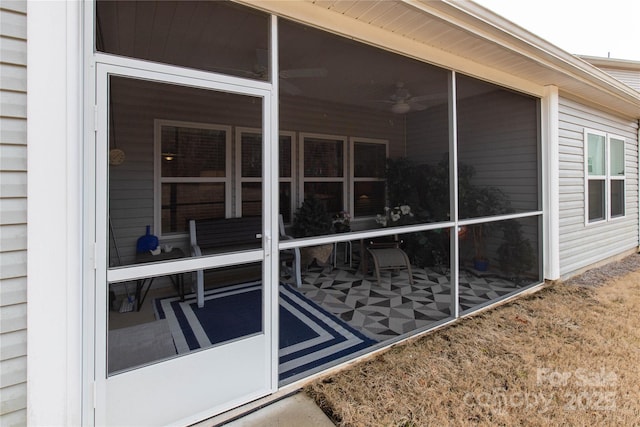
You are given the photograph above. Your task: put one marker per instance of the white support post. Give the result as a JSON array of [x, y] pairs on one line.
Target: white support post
[[55, 251], [453, 193], [551, 182]]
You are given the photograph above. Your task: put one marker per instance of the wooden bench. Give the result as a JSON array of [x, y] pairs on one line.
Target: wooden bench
[[210, 236]]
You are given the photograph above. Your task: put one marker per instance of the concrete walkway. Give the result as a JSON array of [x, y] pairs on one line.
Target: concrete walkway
[[296, 410]]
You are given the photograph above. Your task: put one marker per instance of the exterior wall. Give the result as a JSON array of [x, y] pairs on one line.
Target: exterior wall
[[428, 134], [626, 71], [629, 77], [13, 213], [581, 245], [501, 144]]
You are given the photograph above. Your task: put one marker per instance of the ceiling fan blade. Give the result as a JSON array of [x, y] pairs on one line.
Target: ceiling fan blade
[[417, 107], [429, 97], [303, 73], [236, 72]]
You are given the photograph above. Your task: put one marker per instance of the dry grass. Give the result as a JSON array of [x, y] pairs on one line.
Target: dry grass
[[567, 355]]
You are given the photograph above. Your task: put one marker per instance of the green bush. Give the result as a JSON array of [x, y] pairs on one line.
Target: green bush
[[312, 219]]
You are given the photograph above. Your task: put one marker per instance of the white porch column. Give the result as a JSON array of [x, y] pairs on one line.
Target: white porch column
[[54, 295], [551, 182]]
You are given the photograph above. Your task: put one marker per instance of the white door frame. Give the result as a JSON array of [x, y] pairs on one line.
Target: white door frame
[[113, 394]]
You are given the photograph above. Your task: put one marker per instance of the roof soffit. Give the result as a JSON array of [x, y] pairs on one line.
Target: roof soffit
[[391, 33], [465, 37], [571, 73]]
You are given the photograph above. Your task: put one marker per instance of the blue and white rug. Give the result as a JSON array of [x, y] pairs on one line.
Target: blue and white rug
[[311, 339]]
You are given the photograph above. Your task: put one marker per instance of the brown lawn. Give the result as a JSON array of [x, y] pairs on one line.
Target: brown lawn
[[566, 355]]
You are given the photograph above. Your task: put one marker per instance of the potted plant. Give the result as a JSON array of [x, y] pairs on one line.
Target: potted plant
[[482, 202], [515, 254], [312, 219], [424, 187]]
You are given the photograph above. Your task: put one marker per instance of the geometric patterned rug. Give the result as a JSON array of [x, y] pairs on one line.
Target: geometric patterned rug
[[395, 307]]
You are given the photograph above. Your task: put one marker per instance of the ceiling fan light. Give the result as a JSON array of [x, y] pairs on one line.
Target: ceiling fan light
[[400, 108]]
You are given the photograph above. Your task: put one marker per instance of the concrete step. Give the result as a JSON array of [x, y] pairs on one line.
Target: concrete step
[[296, 410]]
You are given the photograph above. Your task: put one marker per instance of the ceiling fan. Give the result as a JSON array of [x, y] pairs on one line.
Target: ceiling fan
[[261, 71], [293, 73], [402, 102]]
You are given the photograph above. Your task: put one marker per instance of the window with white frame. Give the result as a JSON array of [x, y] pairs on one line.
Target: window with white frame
[[604, 176], [193, 174], [369, 169], [323, 170], [249, 173]]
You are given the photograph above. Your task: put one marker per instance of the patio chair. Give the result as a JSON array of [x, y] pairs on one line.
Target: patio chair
[[387, 255]]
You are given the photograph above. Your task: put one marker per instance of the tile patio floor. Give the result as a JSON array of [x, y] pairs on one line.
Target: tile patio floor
[[395, 307]]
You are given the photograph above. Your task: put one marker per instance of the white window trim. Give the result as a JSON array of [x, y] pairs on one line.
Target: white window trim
[[291, 179], [238, 167], [159, 180], [607, 177], [353, 179], [346, 173]]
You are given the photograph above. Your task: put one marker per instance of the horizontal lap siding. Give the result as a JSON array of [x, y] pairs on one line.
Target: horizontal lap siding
[[580, 245], [503, 152], [629, 77], [428, 135], [497, 136], [13, 213]]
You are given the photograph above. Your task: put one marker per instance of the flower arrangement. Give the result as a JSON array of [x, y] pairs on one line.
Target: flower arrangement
[[341, 222], [399, 215]]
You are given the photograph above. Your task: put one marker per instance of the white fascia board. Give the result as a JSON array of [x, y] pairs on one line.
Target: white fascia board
[[621, 64], [492, 27], [473, 19]]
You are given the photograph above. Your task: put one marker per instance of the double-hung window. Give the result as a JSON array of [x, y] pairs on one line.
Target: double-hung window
[[323, 160], [249, 172], [369, 171], [604, 176], [193, 173]]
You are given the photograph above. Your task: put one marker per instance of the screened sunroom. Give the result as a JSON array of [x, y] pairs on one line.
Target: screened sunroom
[[359, 198]]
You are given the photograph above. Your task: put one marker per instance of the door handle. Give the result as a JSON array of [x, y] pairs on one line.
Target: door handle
[[267, 244]]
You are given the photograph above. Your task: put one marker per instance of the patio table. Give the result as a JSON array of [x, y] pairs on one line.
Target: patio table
[[177, 279]]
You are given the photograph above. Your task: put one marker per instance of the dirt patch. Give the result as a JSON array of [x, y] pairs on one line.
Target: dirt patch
[[567, 355]]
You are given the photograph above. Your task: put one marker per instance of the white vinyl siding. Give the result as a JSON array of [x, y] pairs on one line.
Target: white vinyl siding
[[503, 152], [13, 213], [629, 77], [582, 245]]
